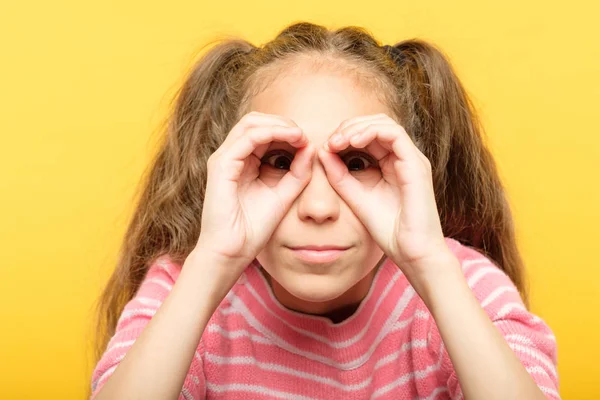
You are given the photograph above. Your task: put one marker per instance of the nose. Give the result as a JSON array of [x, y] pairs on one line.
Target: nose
[[318, 201]]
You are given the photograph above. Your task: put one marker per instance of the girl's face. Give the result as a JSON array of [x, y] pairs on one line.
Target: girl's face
[[318, 102]]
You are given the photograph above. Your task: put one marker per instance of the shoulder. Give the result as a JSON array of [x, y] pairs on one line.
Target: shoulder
[[492, 287], [528, 335], [137, 312], [157, 283], [163, 269], [502, 302], [160, 279]]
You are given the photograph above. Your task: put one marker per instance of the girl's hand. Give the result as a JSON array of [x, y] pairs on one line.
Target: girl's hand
[[400, 211], [240, 212]]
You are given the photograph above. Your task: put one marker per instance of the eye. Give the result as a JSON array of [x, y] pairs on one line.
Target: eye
[[358, 160], [279, 159]]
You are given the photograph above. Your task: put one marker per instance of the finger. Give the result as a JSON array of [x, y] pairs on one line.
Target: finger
[[374, 148], [342, 181], [390, 136], [258, 136], [363, 118], [293, 182], [255, 119], [339, 141], [357, 127], [423, 158]]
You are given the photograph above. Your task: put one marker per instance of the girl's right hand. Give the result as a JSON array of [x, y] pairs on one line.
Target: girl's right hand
[[240, 212]]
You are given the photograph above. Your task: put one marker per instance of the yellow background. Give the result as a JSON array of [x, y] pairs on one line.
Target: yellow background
[[83, 86]]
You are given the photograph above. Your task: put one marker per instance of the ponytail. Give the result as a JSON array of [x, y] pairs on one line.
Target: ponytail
[[441, 119], [168, 214]]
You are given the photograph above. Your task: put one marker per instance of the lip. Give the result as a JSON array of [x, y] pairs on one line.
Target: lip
[[318, 254], [320, 247]]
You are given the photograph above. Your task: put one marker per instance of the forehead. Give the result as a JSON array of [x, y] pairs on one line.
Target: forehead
[[318, 101]]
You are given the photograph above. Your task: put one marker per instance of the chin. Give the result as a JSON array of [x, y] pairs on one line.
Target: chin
[[304, 286], [315, 288]]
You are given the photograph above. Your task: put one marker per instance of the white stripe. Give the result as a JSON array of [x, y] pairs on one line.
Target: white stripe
[[162, 264], [550, 336], [160, 282], [420, 374], [229, 310], [537, 370], [466, 264], [481, 273], [249, 360], [231, 335], [239, 387], [105, 375], [515, 337], [323, 339], [536, 320], [507, 308], [403, 323], [415, 344], [496, 293], [549, 391], [136, 312], [119, 345], [186, 394], [399, 309], [110, 370], [271, 367], [435, 392], [213, 327], [147, 301], [237, 334], [535, 354]]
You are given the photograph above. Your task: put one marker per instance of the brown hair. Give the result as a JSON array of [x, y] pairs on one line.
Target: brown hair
[[419, 85]]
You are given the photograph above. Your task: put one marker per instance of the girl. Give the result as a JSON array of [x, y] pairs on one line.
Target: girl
[[323, 221]]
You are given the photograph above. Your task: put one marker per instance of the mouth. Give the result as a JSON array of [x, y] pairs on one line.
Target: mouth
[[316, 255]]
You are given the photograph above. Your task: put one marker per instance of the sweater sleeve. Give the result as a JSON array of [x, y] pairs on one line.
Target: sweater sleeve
[[530, 338], [155, 287]]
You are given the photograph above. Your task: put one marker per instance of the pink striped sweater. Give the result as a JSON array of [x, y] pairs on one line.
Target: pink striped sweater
[[390, 348]]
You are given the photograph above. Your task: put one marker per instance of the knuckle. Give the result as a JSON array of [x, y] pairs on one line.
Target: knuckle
[[249, 117], [427, 163], [209, 163], [290, 121], [212, 160]]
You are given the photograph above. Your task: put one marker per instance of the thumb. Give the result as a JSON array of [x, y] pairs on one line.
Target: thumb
[[342, 181]]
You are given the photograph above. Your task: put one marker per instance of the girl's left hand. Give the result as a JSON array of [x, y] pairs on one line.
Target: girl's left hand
[[400, 211]]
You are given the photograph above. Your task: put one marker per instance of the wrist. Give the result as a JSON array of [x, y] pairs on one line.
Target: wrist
[[437, 278], [216, 263], [217, 273]]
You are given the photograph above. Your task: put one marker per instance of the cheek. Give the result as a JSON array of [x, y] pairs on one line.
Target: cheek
[[368, 177], [270, 176]]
